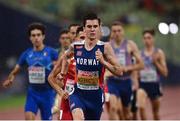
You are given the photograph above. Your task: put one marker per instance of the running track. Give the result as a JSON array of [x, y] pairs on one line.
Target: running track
[[170, 107]]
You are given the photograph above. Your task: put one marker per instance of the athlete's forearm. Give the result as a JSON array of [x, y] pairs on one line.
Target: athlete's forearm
[[13, 73], [135, 67], [115, 69], [64, 65], [11, 76], [52, 82], [162, 69]]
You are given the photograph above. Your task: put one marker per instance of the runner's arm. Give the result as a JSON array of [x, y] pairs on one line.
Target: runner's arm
[[161, 63], [136, 54], [8, 82], [110, 63]]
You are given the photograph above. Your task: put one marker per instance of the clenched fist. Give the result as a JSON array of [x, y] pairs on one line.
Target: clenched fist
[[59, 79], [99, 56], [7, 83]]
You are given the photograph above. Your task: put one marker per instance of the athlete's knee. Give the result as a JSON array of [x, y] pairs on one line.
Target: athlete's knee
[[155, 105], [141, 98], [127, 113], [113, 107], [78, 114], [141, 93], [29, 116]]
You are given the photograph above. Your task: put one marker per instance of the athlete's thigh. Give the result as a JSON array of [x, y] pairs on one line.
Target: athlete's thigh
[[119, 104], [46, 104], [113, 101], [31, 104], [141, 97], [78, 114], [125, 91], [155, 103]]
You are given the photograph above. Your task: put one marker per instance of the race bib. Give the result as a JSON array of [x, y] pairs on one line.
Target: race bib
[[69, 86], [88, 80], [36, 75], [148, 75], [122, 58]]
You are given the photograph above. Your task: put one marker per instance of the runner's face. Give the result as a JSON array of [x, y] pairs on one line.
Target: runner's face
[[81, 35], [148, 39], [92, 29], [37, 37], [64, 40], [117, 32], [72, 32]]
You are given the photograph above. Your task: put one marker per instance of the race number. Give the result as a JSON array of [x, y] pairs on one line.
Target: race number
[[36, 75]]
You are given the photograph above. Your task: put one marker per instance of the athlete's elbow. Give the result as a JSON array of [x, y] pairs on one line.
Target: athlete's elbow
[[50, 78]]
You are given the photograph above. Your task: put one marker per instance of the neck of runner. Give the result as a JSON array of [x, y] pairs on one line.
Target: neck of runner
[[39, 48], [90, 44], [118, 42], [149, 50]]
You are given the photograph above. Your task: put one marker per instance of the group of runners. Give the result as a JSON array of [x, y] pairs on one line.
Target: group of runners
[[87, 75]]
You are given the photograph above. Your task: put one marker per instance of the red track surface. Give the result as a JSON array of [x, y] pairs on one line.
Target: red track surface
[[170, 107]]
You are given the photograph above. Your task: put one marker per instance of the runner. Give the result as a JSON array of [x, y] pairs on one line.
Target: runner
[[87, 98], [155, 66], [120, 87], [64, 41], [39, 59], [65, 113]]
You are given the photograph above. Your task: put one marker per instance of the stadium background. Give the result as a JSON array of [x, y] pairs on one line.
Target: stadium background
[[15, 15]]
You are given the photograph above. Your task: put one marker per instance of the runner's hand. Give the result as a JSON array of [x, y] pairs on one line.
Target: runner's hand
[[7, 83], [65, 95], [99, 56], [156, 57], [59, 79]]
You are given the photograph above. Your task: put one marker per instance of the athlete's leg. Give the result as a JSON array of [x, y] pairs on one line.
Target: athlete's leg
[[126, 97], [30, 115], [31, 106], [46, 102], [120, 110], [113, 108], [127, 112], [134, 115], [76, 105], [155, 108], [78, 114], [141, 102], [134, 108]]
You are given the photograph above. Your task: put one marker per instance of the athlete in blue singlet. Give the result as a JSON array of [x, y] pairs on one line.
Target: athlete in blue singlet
[[87, 98], [155, 66], [39, 60], [120, 87]]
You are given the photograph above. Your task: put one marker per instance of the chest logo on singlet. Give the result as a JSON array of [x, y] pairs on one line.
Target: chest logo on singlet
[[79, 53], [36, 75], [45, 53]]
